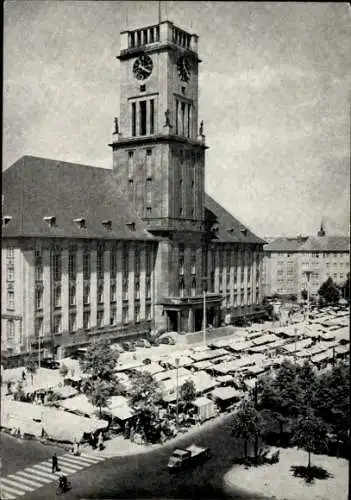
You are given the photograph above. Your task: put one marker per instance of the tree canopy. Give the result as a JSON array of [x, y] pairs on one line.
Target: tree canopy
[[247, 424], [187, 392], [99, 394], [144, 390], [328, 292], [31, 366], [310, 433], [99, 361]]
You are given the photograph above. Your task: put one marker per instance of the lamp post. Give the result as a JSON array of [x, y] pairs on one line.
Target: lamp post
[[204, 318], [308, 276], [177, 414]]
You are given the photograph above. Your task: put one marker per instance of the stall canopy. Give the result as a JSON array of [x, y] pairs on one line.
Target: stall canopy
[[208, 354], [172, 374], [152, 368], [205, 408], [66, 392], [226, 393], [240, 346], [225, 379], [264, 339], [296, 346], [131, 365], [57, 424], [120, 408]]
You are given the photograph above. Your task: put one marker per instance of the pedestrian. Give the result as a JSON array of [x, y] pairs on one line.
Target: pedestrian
[[100, 441], [23, 375], [55, 467]]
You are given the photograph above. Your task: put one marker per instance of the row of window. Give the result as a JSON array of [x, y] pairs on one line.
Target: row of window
[[72, 264], [72, 320], [57, 293], [143, 117]]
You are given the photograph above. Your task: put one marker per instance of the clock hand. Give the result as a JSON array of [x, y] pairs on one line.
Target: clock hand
[[144, 69]]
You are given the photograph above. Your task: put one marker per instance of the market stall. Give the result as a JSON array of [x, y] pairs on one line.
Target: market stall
[[205, 408]]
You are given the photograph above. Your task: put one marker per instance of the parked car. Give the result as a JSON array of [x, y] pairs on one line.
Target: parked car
[[167, 340], [128, 346], [117, 348], [142, 343], [50, 363]]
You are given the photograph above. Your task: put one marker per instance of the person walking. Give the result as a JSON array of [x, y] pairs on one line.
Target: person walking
[[55, 467]]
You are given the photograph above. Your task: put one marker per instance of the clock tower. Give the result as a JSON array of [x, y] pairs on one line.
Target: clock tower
[[159, 153]]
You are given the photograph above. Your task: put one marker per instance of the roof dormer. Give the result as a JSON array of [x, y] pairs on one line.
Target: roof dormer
[[50, 219], [107, 223], [80, 221], [6, 219]]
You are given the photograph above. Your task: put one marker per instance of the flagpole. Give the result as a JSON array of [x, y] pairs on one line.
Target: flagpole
[[159, 11]]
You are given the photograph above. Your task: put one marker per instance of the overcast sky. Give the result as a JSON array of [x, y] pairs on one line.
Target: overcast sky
[[274, 97]]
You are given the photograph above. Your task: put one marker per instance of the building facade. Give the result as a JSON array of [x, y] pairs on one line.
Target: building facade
[[289, 263], [92, 252]]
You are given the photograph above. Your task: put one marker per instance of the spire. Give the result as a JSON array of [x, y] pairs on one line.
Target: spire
[[321, 232]]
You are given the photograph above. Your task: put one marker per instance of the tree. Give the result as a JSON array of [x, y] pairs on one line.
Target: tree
[[345, 289], [63, 370], [187, 392], [99, 361], [99, 395], [331, 400], [144, 390], [31, 366], [246, 424], [280, 396], [310, 434], [18, 395], [307, 384], [328, 292], [143, 395]]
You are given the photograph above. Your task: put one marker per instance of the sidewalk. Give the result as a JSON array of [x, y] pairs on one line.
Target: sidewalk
[[119, 446]]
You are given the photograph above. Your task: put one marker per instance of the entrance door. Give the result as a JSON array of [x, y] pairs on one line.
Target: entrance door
[[172, 321]]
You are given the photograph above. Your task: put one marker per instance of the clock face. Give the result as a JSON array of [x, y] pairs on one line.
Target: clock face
[[183, 67], [142, 68]]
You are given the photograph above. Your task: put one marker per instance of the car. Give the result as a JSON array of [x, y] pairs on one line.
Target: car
[[142, 343], [128, 346], [117, 348], [167, 340], [50, 363]]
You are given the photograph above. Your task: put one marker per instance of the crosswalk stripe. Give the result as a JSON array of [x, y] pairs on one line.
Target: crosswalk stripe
[[24, 479], [71, 463], [30, 479], [11, 491], [4, 496], [38, 474], [12, 483], [75, 460], [93, 459]]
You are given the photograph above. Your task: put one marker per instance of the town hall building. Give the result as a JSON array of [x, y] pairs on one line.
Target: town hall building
[[89, 252]]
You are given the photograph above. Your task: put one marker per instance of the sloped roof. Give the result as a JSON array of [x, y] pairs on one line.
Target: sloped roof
[[35, 187], [229, 228], [309, 244], [284, 244], [326, 244]]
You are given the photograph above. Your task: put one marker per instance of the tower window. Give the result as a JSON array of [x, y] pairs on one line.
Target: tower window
[[142, 117], [130, 164], [148, 164], [177, 112], [189, 120], [133, 119], [142, 88], [152, 116], [183, 119]]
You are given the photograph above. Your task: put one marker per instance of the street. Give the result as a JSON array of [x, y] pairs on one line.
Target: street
[[16, 454], [147, 476]]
